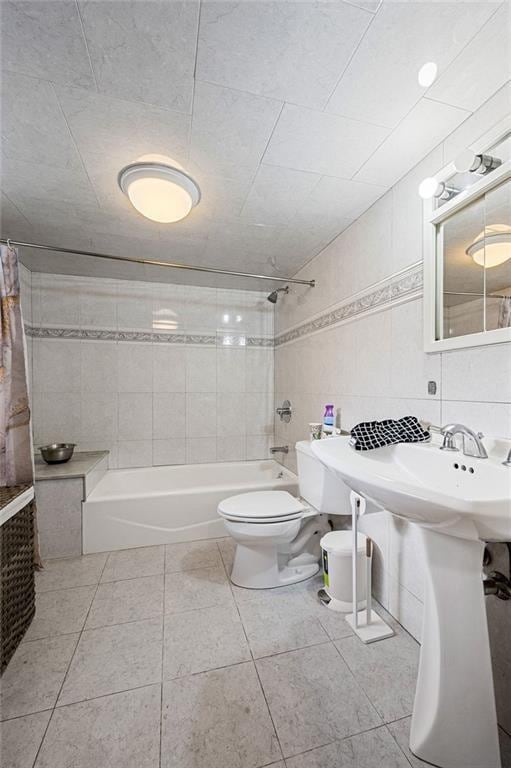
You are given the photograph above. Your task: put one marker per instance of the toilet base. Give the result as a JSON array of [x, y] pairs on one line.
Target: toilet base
[[257, 568]]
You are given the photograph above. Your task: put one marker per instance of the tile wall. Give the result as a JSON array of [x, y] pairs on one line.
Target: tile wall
[[155, 373], [371, 364]]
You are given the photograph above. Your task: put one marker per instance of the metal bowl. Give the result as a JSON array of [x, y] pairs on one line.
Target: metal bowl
[[57, 453]]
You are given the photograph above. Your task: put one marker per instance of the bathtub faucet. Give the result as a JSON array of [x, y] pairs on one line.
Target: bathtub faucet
[[279, 449]]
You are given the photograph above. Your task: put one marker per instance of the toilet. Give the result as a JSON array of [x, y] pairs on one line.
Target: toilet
[[277, 535]]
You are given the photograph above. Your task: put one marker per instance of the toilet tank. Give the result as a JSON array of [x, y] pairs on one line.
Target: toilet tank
[[318, 486]]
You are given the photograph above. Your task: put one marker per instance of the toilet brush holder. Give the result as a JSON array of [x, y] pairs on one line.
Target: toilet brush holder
[[366, 624]]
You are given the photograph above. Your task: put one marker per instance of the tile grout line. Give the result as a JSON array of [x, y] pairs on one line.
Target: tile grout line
[[359, 686], [396, 741], [84, 36], [113, 581], [254, 660], [85, 701], [69, 665], [75, 143], [353, 54], [236, 605], [294, 650], [252, 655], [162, 653], [345, 738]]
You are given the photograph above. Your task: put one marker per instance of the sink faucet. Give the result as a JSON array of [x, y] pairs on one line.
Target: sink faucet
[[472, 444], [507, 462]]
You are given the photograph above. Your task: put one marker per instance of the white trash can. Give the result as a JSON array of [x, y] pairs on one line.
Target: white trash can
[[336, 547]]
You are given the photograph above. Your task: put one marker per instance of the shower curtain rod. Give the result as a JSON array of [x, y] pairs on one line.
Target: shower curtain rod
[[480, 295], [155, 263]]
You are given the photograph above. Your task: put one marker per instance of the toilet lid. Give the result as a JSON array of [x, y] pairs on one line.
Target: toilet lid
[[260, 506]]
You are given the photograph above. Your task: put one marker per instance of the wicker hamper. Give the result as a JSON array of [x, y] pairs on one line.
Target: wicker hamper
[[17, 586]]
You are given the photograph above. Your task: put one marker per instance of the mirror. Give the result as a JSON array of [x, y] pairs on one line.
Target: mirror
[[473, 266]]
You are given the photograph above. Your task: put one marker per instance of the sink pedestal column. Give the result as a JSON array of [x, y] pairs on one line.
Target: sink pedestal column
[[454, 723]]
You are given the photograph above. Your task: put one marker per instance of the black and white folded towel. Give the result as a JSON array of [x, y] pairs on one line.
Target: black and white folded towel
[[376, 434]]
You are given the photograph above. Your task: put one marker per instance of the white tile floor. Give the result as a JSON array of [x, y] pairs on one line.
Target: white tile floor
[[150, 658]]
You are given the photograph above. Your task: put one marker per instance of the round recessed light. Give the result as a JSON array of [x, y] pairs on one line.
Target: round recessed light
[[427, 74], [159, 192]]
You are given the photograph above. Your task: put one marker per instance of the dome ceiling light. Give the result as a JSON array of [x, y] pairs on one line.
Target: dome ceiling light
[[492, 247], [158, 191]]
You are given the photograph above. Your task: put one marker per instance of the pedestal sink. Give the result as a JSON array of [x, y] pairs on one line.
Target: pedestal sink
[[459, 503]]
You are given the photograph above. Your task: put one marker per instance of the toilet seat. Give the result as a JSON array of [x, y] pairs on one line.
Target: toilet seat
[[264, 524], [262, 507]]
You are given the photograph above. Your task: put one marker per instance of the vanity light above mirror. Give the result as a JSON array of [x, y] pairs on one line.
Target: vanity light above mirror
[[467, 246]]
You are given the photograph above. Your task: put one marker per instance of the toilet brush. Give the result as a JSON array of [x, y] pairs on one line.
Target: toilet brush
[[369, 553]]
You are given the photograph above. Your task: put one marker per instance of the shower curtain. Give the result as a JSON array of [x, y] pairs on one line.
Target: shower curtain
[[504, 320], [16, 453]]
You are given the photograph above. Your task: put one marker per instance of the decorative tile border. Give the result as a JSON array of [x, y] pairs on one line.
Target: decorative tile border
[[219, 339], [401, 286]]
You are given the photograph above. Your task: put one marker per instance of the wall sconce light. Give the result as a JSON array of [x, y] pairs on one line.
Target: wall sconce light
[[430, 187], [470, 162]]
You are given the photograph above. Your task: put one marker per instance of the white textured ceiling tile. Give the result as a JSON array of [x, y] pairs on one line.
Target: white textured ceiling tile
[[277, 193], [50, 234], [290, 51], [305, 241], [368, 5], [44, 39], [421, 130], [143, 51], [64, 143], [230, 128], [60, 263], [491, 112], [175, 249], [54, 184], [33, 126], [178, 249], [335, 199], [122, 130], [482, 67], [307, 140], [223, 196], [260, 263], [11, 219], [380, 84], [197, 225], [87, 218], [229, 236]]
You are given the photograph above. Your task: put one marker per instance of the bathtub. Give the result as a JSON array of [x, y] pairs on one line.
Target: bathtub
[[165, 505]]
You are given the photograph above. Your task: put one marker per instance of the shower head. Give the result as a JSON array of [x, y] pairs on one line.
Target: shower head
[[274, 295]]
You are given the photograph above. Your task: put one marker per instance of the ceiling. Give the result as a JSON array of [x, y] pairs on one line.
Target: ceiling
[[293, 117]]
